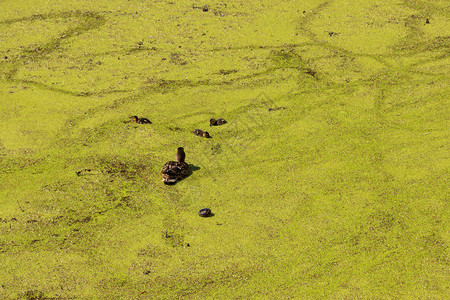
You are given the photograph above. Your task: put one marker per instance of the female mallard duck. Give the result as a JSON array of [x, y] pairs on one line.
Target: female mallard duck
[[201, 133], [174, 171], [214, 122], [140, 120]]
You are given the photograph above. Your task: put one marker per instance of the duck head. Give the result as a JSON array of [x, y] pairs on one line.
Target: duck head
[[181, 156], [205, 134]]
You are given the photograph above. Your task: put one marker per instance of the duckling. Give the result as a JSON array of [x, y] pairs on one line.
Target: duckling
[[174, 171], [214, 122], [140, 120], [201, 133], [204, 212]]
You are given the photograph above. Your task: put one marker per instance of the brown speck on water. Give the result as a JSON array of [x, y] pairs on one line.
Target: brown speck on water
[[332, 33], [427, 21], [226, 72], [311, 72], [277, 108]]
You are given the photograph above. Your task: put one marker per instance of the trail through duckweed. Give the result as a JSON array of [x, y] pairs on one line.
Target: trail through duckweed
[[328, 180]]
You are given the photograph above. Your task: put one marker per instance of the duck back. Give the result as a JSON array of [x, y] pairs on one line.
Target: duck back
[[174, 171]]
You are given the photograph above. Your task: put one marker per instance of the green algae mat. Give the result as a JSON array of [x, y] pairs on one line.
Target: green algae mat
[[330, 179]]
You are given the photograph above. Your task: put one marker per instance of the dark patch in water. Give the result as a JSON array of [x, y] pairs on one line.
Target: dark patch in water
[[226, 72]]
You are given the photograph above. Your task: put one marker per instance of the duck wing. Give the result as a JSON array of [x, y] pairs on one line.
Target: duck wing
[[184, 170], [174, 171], [169, 172], [198, 132], [221, 121], [144, 121]]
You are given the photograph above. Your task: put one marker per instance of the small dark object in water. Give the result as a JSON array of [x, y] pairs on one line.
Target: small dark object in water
[[205, 8], [276, 108], [226, 72], [311, 72], [80, 173], [217, 122], [140, 120], [201, 133], [332, 33], [427, 21], [204, 212]]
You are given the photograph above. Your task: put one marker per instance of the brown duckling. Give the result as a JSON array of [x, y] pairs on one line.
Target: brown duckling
[[140, 120], [201, 133], [217, 122], [174, 171], [204, 212]]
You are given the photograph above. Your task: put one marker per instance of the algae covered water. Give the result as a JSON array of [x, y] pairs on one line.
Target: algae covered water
[[328, 179]]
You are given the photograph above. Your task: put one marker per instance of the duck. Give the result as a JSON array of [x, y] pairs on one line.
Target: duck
[[204, 212], [217, 122], [174, 171], [201, 133], [140, 120]]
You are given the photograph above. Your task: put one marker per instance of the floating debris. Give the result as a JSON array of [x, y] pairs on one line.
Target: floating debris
[[277, 108], [311, 72], [83, 172], [226, 72], [332, 33]]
